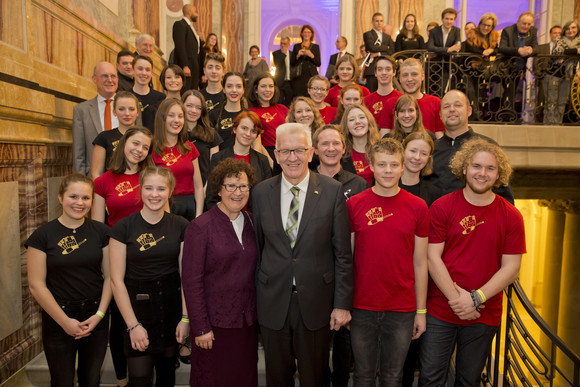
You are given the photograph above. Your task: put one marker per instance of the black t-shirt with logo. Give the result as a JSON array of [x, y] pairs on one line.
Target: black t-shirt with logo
[[152, 249], [108, 140], [73, 258]]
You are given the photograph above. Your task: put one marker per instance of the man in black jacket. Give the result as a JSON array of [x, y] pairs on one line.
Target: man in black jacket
[[282, 63], [376, 43], [188, 50]]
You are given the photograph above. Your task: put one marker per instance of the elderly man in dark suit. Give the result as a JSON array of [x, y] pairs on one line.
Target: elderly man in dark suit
[[305, 273], [443, 40], [188, 47], [377, 43], [93, 116], [282, 63]]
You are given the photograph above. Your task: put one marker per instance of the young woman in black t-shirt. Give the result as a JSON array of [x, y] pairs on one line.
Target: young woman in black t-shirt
[[68, 275], [146, 249], [223, 118]]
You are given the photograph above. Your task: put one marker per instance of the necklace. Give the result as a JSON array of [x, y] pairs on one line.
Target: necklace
[[74, 229]]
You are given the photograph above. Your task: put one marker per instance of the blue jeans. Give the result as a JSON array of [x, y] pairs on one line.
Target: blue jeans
[[437, 344], [61, 349], [382, 337]]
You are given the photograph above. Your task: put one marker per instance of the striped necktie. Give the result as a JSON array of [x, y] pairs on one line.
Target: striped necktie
[[292, 222]]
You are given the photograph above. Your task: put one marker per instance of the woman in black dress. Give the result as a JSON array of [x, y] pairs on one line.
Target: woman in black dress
[[409, 37], [306, 57]]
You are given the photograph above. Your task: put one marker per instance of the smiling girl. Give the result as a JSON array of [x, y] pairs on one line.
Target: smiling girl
[[146, 249], [222, 119], [318, 90], [172, 150], [346, 73], [126, 109], [360, 132], [407, 118], [172, 78], [68, 275]]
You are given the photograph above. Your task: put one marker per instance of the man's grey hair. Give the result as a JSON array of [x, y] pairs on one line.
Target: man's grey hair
[[294, 128]]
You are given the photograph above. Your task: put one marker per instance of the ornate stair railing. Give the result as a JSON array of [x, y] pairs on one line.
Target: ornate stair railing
[[525, 362], [506, 89]]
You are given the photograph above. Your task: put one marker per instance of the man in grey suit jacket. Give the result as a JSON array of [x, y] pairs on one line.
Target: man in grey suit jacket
[[89, 118], [304, 280]]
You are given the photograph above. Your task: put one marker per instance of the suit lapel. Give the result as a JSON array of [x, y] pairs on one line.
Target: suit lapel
[[312, 197], [94, 112]]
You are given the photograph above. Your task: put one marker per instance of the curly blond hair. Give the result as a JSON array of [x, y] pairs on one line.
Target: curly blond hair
[[463, 157]]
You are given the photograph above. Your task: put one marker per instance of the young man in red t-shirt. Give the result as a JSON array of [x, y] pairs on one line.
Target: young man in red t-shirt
[[390, 228], [476, 242], [377, 101], [411, 76]]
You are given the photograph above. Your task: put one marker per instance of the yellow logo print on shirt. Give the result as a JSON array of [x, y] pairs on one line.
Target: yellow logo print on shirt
[[377, 107], [125, 188], [115, 143], [359, 166], [268, 117], [147, 241], [375, 215], [169, 158], [469, 224], [226, 124], [69, 244], [210, 105]]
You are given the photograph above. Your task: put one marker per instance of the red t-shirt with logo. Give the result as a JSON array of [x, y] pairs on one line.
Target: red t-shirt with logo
[[430, 107], [361, 166], [181, 166], [271, 117], [475, 239], [377, 104], [384, 231], [121, 193]]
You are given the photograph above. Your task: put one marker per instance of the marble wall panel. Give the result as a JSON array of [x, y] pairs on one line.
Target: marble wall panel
[[232, 34], [146, 17], [364, 16], [11, 295], [204, 18], [12, 28], [398, 9]]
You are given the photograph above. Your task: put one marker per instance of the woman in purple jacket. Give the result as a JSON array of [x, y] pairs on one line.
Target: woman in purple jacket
[[219, 262]]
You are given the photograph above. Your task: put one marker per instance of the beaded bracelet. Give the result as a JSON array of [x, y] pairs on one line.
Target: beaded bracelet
[[100, 314], [134, 326]]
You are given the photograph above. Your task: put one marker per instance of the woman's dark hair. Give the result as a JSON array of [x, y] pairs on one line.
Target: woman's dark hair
[[202, 130], [209, 49], [243, 102], [160, 134], [415, 29], [176, 70], [118, 162], [252, 92], [254, 46], [398, 133], [340, 108], [229, 167], [75, 178], [307, 26]]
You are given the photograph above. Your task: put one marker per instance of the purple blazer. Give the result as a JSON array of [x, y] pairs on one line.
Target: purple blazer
[[218, 273]]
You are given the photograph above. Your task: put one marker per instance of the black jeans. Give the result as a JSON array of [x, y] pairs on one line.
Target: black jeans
[[61, 349]]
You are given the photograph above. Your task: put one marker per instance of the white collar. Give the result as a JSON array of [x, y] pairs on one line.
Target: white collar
[[303, 185]]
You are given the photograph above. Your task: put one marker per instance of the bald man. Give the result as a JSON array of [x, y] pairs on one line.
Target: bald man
[[93, 116]]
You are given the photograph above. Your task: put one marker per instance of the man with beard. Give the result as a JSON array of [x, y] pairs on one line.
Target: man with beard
[[411, 77], [476, 242], [455, 112], [187, 47]]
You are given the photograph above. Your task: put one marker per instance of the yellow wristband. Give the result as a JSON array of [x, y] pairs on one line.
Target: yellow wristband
[[481, 295], [100, 314], [421, 311], [185, 320]]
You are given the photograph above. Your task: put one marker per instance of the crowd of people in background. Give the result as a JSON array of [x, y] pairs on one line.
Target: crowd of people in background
[[290, 205]]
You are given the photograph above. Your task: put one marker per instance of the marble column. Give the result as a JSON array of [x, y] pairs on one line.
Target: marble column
[[552, 266], [569, 305]]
